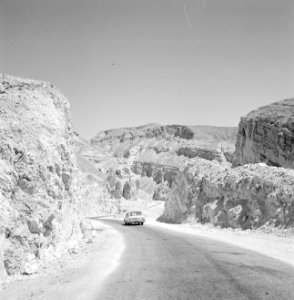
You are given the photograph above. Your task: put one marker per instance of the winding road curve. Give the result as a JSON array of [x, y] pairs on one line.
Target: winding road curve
[[162, 264]]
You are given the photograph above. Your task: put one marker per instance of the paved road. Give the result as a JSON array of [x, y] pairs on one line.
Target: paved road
[[161, 264]]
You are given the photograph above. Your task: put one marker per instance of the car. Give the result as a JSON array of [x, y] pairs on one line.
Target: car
[[134, 217]]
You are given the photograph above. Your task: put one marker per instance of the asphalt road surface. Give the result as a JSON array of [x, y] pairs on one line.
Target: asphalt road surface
[[161, 264]]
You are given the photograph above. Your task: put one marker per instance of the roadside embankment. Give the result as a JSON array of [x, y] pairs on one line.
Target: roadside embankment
[[76, 275]]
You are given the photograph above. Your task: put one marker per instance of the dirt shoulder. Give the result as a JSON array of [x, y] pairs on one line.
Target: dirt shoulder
[[277, 244], [76, 275]]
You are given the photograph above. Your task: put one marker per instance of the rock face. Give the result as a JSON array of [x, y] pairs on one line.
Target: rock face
[[153, 155], [161, 192], [91, 186], [127, 191], [37, 167], [168, 138], [209, 154], [159, 173], [146, 131], [267, 135], [257, 192], [42, 194], [189, 167], [243, 197]]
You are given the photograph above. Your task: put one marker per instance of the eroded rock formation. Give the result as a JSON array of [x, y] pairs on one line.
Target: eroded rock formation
[[243, 197], [267, 135], [158, 172], [209, 154], [43, 194], [37, 167], [157, 152]]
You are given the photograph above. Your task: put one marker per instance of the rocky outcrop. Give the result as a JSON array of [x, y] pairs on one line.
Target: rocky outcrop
[[43, 195], [209, 134], [156, 152], [267, 135], [38, 214], [161, 191], [209, 154], [159, 173], [127, 191], [245, 197], [114, 186], [91, 186], [147, 131]]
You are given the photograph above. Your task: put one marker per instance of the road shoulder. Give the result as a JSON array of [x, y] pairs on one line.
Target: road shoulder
[[77, 275], [278, 245]]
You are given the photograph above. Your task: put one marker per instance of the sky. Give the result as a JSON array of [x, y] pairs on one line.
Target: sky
[[131, 62]]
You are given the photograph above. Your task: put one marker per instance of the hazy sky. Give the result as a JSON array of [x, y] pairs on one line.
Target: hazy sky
[[131, 62]]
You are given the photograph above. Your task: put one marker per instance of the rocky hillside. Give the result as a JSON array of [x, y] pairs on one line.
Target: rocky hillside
[[245, 197], [43, 198], [267, 135], [207, 134], [91, 187], [190, 141], [248, 196], [145, 160]]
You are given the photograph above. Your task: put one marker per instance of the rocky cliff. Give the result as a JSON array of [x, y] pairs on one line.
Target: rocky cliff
[[204, 141], [267, 135], [245, 197], [156, 152], [42, 195], [257, 192]]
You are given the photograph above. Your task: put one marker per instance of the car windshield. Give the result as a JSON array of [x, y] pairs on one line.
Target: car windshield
[[135, 213]]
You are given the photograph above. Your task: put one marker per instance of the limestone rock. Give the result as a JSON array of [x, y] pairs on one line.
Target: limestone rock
[[34, 227], [245, 197], [153, 154], [30, 265], [151, 131], [127, 191], [35, 149], [161, 191], [266, 135], [158, 172], [209, 154]]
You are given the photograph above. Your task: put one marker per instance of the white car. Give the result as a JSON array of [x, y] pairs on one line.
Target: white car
[[134, 217]]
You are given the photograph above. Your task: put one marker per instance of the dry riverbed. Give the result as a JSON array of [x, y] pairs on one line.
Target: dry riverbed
[[76, 275]]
